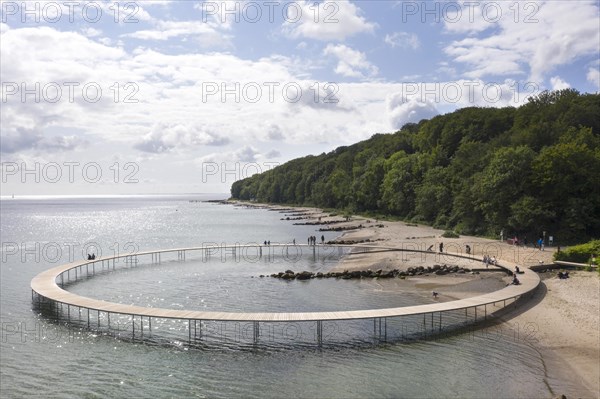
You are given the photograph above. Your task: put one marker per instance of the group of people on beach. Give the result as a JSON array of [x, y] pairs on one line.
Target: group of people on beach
[[515, 240], [312, 240], [489, 259], [539, 244], [515, 278]]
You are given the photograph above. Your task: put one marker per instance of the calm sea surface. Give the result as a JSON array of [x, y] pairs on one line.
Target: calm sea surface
[[41, 356]]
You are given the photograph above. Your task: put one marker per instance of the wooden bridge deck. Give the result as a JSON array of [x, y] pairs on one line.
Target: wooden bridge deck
[[45, 285]]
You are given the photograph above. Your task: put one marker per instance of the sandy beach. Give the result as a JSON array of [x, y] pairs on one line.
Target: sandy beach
[[563, 315]]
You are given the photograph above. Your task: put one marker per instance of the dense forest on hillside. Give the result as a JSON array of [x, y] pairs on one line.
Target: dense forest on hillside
[[477, 170]]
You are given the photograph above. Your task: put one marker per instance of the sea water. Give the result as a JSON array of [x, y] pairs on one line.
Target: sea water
[[45, 357]]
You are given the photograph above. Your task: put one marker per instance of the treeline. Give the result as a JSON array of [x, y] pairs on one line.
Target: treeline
[[477, 170]]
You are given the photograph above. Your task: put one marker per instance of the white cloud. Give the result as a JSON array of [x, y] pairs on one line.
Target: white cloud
[[472, 17], [43, 42], [564, 31], [329, 20], [91, 32], [54, 59], [25, 131], [403, 40], [167, 137], [351, 63], [245, 154], [446, 69], [105, 41], [205, 34], [274, 133], [558, 84], [322, 96], [62, 143], [593, 76], [273, 154], [403, 110], [486, 60]]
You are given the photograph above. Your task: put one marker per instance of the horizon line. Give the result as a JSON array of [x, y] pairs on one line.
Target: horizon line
[[59, 196]]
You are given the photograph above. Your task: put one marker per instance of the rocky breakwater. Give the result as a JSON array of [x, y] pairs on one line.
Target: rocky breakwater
[[356, 274]]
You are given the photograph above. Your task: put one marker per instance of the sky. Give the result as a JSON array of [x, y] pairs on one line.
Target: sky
[[107, 97]]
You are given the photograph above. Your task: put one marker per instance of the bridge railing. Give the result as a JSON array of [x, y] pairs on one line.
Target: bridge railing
[[46, 288]]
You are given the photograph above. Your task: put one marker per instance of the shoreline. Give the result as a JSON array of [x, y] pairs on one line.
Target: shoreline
[[563, 315]]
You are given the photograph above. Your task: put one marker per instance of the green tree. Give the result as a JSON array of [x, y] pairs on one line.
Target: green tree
[[501, 183], [403, 173], [433, 197], [567, 177]]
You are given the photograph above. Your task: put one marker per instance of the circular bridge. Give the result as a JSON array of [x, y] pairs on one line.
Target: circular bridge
[[47, 289]]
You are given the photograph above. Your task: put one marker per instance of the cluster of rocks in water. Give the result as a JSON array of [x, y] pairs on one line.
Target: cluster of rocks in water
[[341, 228], [351, 242], [318, 223], [356, 274], [299, 216]]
